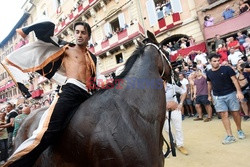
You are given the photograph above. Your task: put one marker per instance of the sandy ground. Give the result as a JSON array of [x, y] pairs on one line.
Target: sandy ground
[[203, 142]]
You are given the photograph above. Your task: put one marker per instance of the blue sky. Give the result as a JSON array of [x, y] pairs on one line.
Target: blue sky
[[10, 13]]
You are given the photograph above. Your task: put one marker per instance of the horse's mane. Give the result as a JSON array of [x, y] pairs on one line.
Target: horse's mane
[[128, 65]]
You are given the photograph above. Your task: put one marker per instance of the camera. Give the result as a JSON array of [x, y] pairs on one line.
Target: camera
[[245, 65], [177, 64]]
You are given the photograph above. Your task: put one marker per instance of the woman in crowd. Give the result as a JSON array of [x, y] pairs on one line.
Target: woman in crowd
[[244, 88]]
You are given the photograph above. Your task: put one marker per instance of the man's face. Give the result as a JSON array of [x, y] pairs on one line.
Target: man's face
[[81, 35], [8, 108], [215, 62], [181, 77]]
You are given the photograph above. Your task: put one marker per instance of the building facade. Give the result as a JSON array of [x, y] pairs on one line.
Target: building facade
[[118, 24]]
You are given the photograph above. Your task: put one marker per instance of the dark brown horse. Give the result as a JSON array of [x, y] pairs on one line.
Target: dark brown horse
[[120, 126]]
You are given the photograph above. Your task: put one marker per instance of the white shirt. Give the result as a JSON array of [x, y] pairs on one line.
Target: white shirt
[[171, 90], [184, 82], [201, 57], [233, 58]]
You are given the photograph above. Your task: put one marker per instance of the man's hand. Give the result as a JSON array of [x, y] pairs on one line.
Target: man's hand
[[209, 98], [240, 96], [172, 105]]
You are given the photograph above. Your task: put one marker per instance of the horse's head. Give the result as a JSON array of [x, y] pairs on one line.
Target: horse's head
[[163, 62]]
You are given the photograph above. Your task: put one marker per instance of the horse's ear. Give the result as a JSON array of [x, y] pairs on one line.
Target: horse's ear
[[151, 36]]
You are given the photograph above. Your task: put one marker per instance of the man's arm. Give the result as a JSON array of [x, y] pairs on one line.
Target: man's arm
[[8, 124], [195, 90], [209, 89], [239, 94]]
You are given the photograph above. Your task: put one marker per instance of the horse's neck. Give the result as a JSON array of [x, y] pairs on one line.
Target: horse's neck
[[146, 89]]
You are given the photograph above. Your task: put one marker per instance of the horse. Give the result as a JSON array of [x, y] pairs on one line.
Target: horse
[[120, 125]]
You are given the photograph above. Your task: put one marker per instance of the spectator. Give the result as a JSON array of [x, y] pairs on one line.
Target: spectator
[[244, 7], [226, 93], [241, 37], [183, 43], [218, 41], [222, 51], [11, 114], [247, 1], [168, 7], [163, 7], [191, 41], [246, 45], [232, 43], [200, 66], [175, 108], [184, 82], [234, 56], [201, 96], [228, 13], [159, 11], [3, 140], [208, 21], [201, 56], [19, 119], [244, 88]]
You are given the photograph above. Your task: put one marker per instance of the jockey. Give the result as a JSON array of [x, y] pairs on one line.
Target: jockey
[[79, 67]]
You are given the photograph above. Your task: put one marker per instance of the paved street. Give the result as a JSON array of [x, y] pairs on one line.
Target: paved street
[[203, 142]]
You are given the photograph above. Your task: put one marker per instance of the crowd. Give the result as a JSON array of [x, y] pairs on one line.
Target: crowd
[[229, 12], [215, 83], [163, 9], [11, 118]]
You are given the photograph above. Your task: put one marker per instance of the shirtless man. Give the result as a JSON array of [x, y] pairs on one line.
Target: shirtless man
[[79, 68]]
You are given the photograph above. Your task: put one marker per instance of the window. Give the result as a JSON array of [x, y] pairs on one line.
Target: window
[[211, 1], [119, 58], [115, 25], [14, 92]]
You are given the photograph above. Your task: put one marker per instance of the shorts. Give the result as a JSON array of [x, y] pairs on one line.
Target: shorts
[[226, 103], [202, 99], [188, 102]]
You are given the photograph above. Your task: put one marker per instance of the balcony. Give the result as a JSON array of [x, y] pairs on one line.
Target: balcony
[[127, 34], [228, 26], [8, 85], [74, 15], [168, 22]]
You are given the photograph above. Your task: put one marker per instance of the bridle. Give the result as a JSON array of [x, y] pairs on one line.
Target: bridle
[[163, 58]]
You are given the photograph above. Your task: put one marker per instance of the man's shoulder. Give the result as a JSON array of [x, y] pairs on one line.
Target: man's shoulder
[[13, 113]]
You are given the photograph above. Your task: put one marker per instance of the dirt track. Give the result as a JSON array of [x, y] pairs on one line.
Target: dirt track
[[203, 142]]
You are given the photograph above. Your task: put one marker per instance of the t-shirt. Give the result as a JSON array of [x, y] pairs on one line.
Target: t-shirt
[[201, 86], [171, 91], [222, 83], [12, 114], [235, 57], [227, 14], [17, 122], [201, 57], [184, 82], [3, 133]]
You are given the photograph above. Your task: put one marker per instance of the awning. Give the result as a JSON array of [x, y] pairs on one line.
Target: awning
[[184, 52], [227, 26]]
